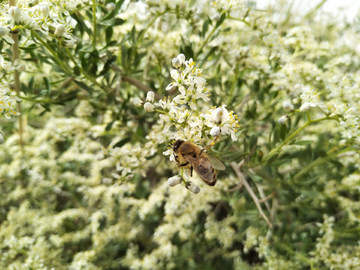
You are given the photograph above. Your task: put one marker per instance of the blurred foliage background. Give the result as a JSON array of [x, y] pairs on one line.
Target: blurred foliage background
[[85, 187]]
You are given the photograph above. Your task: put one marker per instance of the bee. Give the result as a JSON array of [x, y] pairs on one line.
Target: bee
[[189, 155]]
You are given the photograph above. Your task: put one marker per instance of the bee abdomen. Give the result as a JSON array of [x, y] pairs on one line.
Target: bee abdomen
[[213, 182]]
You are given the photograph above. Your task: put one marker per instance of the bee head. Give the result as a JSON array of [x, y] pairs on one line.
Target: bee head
[[176, 145]]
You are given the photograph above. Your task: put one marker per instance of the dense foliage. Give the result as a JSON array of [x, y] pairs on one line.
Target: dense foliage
[[94, 93]]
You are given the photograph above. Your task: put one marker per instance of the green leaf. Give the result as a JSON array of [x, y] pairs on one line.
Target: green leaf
[[83, 86], [69, 96], [113, 13], [108, 34], [189, 52], [122, 142], [253, 141], [271, 159], [205, 28], [109, 126], [221, 20], [77, 71], [283, 132], [305, 142], [108, 65]]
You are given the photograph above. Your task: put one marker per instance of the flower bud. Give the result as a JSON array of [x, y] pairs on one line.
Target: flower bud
[[20, 67], [217, 115], [298, 87], [1, 138], [305, 107], [192, 187], [175, 180], [70, 44], [107, 181], [288, 106], [176, 62], [45, 10], [110, 7], [215, 131], [4, 31], [59, 31], [15, 14], [149, 107], [138, 102], [182, 58], [196, 18], [216, 17], [283, 119], [150, 96]]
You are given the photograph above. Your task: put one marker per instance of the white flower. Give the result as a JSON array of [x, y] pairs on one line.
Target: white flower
[[217, 115], [150, 96], [70, 44], [215, 131], [4, 31], [110, 7], [138, 102], [216, 17], [182, 58], [288, 106], [15, 14], [283, 119], [176, 63], [45, 10], [192, 187], [59, 31], [149, 107], [175, 180], [305, 107]]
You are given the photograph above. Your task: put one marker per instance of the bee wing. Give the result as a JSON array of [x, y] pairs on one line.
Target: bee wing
[[218, 165], [204, 168]]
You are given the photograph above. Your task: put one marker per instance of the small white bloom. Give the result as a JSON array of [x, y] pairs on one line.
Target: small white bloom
[[288, 106], [216, 17], [215, 131], [217, 115], [1, 138], [4, 31], [175, 180], [305, 107], [107, 181], [149, 107], [59, 31], [21, 67], [283, 119], [176, 62], [138, 102], [45, 10], [150, 96], [182, 58], [110, 7], [70, 44], [192, 187], [15, 14]]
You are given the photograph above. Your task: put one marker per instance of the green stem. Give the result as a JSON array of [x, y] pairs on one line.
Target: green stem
[[239, 20], [318, 162], [147, 27], [231, 93], [296, 132], [160, 111], [206, 41], [94, 22], [46, 45]]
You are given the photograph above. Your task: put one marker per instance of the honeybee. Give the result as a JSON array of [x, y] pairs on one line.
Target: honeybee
[[189, 155]]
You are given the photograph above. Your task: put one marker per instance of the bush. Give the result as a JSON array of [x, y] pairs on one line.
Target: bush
[[95, 96]]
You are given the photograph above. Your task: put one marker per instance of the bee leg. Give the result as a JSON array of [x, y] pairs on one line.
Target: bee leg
[[191, 171], [210, 145], [183, 165]]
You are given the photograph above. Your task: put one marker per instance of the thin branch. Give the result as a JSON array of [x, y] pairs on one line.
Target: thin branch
[[135, 82], [252, 194]]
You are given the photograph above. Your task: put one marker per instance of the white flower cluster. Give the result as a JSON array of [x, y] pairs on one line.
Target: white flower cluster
[[8, 101], [41, 15], [181, 117]]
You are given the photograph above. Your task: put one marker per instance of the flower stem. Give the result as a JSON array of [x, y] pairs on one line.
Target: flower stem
[[46, 45], [206, 41], [296, 132], [16, 54], [95, 26]]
